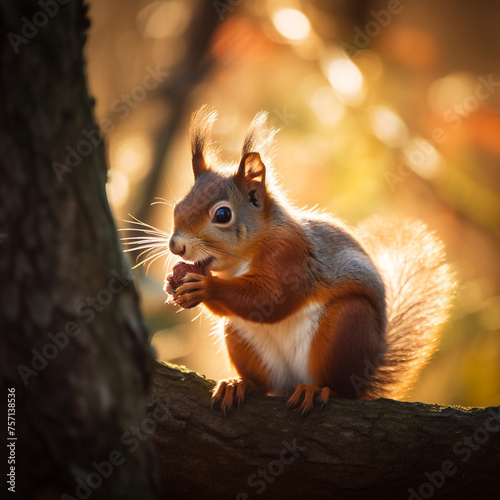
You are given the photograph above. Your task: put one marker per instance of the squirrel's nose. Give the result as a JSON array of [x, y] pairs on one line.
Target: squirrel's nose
[[176, 245]]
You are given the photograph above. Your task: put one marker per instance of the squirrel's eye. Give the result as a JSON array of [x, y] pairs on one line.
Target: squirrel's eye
[[222, 215]]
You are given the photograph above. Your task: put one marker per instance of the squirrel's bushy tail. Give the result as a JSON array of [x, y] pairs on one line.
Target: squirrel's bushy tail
[[419, 290]]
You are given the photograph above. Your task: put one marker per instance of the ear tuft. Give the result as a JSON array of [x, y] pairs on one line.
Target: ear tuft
[[260, 138], [202, 149]]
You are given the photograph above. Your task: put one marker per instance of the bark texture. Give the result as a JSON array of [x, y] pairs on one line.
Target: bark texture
[[73, 343], [350, 450]]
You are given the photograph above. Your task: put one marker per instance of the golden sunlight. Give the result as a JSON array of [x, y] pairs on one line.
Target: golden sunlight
[[326, 106], [131, 155], [118, 188]]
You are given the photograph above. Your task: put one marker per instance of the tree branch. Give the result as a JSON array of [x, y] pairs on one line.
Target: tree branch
[[351, 449]]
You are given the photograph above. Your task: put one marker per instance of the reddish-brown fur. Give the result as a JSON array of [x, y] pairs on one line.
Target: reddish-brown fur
[[349, 335], [270, 271]]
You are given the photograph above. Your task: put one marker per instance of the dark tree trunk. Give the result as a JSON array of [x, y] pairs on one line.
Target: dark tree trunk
[[73, 343], [350, 450]]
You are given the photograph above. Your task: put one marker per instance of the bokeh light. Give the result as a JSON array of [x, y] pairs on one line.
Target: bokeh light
[[423, 158], [388, 126], [118, 188], [292, 24], [346, 80], [163, 19]]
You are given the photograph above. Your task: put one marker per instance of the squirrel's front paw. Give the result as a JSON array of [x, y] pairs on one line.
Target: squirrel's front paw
[[226, 391], [192, 291]]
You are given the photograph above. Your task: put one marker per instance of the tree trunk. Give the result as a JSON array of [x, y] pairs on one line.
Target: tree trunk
[[74, 350], [350, 450]]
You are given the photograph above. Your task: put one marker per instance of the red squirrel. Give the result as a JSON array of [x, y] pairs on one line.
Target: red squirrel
[[311, 308]]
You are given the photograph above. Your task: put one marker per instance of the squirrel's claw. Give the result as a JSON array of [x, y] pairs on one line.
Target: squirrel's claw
[[167, 287], [226, 391], [192, 291], [307, 392]]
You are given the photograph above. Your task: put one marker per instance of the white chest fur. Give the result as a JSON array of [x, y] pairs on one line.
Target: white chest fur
[[284, 347]]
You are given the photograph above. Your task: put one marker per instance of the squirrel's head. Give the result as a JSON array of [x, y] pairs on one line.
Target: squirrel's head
[[218, 219]]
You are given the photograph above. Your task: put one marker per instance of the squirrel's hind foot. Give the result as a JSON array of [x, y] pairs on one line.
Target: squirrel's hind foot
[[308, 392]]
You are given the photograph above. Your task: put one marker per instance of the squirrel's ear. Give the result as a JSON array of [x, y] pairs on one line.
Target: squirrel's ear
[[251, 177]]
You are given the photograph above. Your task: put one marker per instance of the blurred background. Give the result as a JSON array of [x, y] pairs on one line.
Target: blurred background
[[388, 107]]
